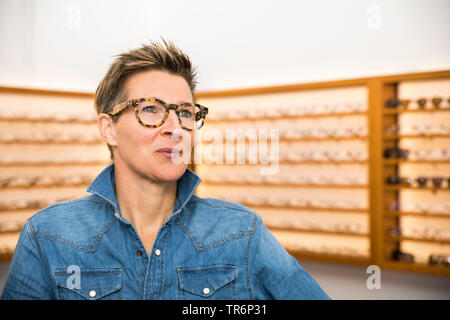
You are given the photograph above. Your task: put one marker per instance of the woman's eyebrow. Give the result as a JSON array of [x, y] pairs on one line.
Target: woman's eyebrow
[[182, 102]]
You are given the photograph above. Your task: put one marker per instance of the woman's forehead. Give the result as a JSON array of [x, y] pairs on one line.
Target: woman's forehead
[[165, 86]]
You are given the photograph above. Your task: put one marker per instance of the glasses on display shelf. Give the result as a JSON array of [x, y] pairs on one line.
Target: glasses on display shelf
[[394, 205], [430, 233], [421, 103], [422, 181], [392, 129], [438, 259], [276, 201], [296, 110], [20, 204], [396, 152], [437, 181], [435, 102], [431, 154], [421, 129], [41, 180], [5, 181], [398, 255], [62, 117], [397, 180], [420, 207], [394, 231], [11, 226], [153, 112], [396, 103]]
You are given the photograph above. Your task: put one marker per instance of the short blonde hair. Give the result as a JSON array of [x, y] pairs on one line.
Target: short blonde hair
[[163, 56]]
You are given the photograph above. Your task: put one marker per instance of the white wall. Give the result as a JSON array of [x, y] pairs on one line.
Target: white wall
[[68, 44]]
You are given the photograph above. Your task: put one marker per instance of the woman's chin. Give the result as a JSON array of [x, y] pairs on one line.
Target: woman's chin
[[170, 173]]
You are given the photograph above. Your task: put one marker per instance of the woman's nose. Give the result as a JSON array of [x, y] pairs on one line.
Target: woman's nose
[[171, 124]]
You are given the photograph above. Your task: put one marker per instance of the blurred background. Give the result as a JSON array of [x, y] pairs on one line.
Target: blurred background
[[53, 54]]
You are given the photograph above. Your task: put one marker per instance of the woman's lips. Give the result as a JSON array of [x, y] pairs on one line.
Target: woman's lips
[[169, 152]]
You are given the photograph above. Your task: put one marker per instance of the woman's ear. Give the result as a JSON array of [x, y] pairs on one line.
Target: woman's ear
[[107, 129]]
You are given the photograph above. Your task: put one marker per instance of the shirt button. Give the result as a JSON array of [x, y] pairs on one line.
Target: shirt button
[[139, 252], [206, 290], [157, 252], [92, 293]]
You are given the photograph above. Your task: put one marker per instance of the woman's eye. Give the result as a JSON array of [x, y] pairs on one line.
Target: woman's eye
[[185, 113], [149, 109]]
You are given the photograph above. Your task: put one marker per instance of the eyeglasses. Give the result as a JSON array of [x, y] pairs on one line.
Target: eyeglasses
[[439, 259], [152, 112], [421, 103], [402, 256], [396, 152]]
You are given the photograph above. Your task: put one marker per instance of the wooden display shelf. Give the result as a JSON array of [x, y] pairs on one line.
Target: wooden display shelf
[[398, 161], [299, 139], [291, 117], [316, 231], [49, 120], [415, 136], [286, 185], [378, 89], [383, 89], [53, 142], [327, 257], [405, 238], [6, 255], [46, 186], [328, 138], [416, 214], [335, 210], [398, 188], [336, 162], [417, 267], [303, 162], [400, 111], [56, 164]]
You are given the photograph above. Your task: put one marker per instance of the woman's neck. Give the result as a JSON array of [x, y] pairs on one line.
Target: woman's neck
[[144, 203]]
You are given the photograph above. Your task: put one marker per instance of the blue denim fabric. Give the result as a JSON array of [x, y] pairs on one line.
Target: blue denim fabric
[[207, 249]]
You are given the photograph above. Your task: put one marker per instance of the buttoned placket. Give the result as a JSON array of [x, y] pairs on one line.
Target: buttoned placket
[[154, 277], [139, 252], [151, 265]]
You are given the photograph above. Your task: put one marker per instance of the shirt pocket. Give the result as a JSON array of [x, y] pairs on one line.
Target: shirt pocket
[[210, 282], [91, 284]]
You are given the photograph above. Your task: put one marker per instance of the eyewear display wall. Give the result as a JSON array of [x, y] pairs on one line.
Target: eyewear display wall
[[363, 173]]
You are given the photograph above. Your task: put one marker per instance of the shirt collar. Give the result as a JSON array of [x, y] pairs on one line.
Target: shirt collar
[[104, 186]]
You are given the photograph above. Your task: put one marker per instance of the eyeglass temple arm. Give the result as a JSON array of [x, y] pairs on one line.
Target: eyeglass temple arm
[[118, 108]]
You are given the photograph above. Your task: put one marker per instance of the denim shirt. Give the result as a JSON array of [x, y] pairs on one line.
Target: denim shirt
[[207, 249]]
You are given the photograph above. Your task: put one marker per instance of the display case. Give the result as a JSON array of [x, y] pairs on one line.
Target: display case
[[414, 169], [353, 171], [340, 194]]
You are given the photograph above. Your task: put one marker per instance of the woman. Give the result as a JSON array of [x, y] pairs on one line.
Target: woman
[[143, 234]]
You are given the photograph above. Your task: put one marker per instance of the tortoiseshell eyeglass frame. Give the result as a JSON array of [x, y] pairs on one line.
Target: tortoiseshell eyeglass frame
[[201, 115]]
